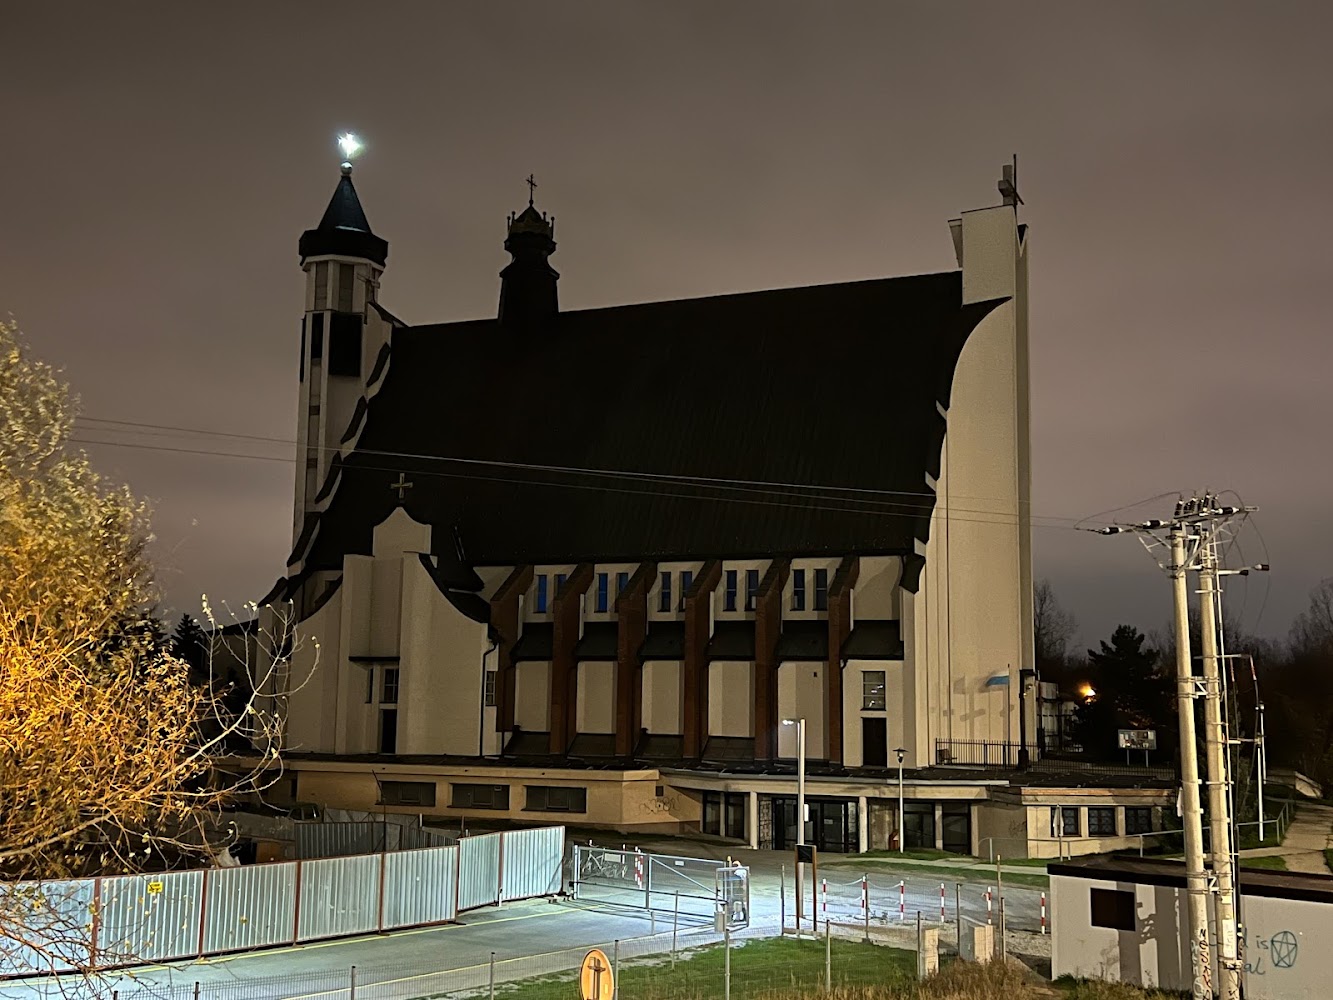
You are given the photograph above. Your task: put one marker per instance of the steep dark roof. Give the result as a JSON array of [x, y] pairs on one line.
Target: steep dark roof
[[344, 229], [803, 640], [508, 437], [872, 639]]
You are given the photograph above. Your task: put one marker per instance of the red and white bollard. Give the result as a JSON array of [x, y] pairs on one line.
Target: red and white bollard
[[941, 902], [1043, 913], [988, 905], [825, 888], [638, 868], [865, 894], [902, 900]]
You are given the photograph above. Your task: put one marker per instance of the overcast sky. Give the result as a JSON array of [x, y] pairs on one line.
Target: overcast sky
[[160, 160]]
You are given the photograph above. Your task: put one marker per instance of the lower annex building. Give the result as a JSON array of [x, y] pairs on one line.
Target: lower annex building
[[582, 565]]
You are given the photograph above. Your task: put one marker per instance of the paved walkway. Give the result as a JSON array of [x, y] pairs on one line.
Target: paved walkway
[[1307, 837]]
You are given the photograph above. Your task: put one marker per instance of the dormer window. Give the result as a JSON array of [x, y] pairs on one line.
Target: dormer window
[[603, 587], [622, 583], [751, 588], [798, 590], [686, 582], [664, 594], [541, 598]]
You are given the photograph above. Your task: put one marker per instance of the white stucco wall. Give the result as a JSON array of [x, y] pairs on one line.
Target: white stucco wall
[[801, 694], [532, 695], [596, 708], [731, 698], [852, 713], [312, 704], [876, 594], [663, 696]]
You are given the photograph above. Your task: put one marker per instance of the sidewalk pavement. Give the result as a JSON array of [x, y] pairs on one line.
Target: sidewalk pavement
[[1310, 833]]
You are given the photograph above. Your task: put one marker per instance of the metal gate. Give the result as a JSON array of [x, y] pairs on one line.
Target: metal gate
[[661, 882]]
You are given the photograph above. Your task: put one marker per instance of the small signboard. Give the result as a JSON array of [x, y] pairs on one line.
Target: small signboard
[[154, 887], [1137, 739], [805, 854], [596, 980]]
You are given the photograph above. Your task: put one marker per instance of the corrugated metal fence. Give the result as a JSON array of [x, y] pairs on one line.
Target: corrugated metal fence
[[132, 919]]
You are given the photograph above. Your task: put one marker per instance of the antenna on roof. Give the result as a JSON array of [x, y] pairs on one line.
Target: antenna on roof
[[1009, 184]]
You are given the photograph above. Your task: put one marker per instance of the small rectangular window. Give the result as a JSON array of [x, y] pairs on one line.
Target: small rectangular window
[[1101, 821], [388, 730], [751, 588], [821, 590], [316, 337], [389, 692], [345, 345], [560, 579], [488, 689], [1069, 821], [556, 798], [1138, 819], [540, 598], [686, 582], [664, 595], [872, 691], [468, 796], [407, 793], [729, 597], [622, 583], [1113, 908], [798, 590], [346, 280], [603, 587], [322, 285]]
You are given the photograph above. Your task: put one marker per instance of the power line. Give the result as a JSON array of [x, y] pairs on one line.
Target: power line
[[847, 505]]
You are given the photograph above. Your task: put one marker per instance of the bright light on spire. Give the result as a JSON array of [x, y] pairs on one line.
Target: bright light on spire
[[349, 144]]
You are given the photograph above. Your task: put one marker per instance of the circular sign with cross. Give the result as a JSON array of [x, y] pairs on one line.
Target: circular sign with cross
[[595, 977]]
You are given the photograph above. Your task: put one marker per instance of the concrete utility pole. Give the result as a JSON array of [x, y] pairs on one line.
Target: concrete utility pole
[[1191, 812], [1215, 745]]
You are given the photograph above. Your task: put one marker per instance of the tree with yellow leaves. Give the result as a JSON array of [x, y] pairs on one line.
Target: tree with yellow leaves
[[106, 744]]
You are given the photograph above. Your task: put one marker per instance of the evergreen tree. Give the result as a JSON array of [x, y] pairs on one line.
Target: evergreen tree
[[1129, 692]]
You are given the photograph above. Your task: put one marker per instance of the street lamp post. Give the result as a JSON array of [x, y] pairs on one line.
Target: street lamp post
[[800, 804], [902, 825]]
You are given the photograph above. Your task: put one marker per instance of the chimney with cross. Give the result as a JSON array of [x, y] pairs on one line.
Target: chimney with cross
[[528, 298]]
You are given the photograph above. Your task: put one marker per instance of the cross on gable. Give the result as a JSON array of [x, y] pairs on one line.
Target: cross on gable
[[402, 486], [532, 187]]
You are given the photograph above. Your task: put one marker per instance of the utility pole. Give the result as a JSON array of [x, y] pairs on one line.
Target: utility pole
[[1215, 746], [1191, 813]]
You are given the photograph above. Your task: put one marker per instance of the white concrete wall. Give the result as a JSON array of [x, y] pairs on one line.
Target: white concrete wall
[[663, 696], [731, 698], [440, 670], [596, 707], [312, 704], [801, 694], [532, 695], [876, 594], [852, 713]]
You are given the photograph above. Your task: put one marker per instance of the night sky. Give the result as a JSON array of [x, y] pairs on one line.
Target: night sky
[[159, 161]]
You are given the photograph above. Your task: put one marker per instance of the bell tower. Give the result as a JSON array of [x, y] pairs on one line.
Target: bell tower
[[528, 296], [341, 331]]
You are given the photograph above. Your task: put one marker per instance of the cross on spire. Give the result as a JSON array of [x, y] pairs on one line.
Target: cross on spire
[[402, 486], [532, 187]]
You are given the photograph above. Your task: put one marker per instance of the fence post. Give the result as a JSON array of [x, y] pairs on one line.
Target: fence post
[[384, 863], [1004, 954], [919, 949], [203, 917], [782, 900], [675, 922], [865, 905], [726, 961], [958, 913], [615, 970], [828, 957], [500, 873], [351, 991], [196, 989], [492, 977], [296, 905]]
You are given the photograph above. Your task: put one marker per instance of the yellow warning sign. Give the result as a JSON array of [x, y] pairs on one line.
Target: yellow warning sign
[[595, 978], [154, 887]]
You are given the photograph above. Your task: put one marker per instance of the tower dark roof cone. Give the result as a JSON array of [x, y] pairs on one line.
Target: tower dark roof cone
[[344, 230]]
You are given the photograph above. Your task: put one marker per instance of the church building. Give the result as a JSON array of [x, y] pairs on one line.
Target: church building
[[609, 566]]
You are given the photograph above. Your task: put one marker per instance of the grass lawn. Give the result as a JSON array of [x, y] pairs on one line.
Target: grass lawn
[[1275, 862], [757, 968]]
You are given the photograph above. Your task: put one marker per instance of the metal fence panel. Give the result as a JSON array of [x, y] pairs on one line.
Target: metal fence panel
[[59, 926], [251, 907], [478, 871], [340, 840], [532, 862], [419, 887], [416, 837], [149, 918], [339, 896]]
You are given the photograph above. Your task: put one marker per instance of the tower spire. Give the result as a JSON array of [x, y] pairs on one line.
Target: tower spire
[[528, 284]]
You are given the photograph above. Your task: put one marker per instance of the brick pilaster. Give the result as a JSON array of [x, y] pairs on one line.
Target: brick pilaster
[[631, 627], [694, 668], [564, 668], [839, 626], [506, 626], [767, 629]]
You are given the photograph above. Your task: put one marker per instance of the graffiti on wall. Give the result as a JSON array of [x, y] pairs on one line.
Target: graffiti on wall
[[1278, 951]]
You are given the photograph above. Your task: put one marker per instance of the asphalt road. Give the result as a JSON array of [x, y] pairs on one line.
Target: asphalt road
[[535, 937]]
